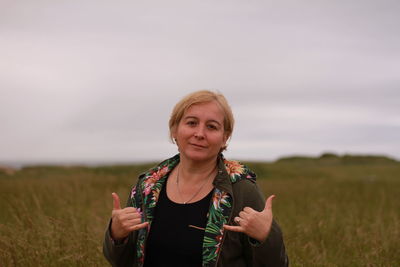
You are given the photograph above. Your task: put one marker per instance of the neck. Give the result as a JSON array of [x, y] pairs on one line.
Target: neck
[[195, 171]]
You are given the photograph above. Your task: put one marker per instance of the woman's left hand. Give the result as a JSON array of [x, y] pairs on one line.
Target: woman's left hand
[[255, 224]]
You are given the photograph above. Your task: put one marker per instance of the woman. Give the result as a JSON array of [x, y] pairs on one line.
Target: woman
[[196, 208]]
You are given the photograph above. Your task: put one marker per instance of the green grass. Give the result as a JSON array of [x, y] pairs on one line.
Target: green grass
[[333, 211]]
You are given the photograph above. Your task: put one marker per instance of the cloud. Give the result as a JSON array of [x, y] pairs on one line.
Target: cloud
[[96, 80]]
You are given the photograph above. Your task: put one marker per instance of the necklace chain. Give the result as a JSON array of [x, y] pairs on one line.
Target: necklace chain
[[197, 192]]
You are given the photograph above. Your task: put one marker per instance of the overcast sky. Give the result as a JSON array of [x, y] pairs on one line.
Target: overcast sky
[[96, 80]]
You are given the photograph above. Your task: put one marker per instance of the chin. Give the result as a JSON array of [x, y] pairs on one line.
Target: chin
[[199, 155]]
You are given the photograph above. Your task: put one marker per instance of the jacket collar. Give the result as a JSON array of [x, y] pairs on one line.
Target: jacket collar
[[229, 172]]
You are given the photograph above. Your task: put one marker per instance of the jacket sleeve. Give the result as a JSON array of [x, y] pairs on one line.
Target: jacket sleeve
[[124, 253], [119, 254], [272, 251]]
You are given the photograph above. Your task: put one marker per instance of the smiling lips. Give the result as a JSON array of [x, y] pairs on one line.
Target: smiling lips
[[197, 145]]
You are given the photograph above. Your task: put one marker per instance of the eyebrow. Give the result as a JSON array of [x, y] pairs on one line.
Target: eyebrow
[[193, 117]]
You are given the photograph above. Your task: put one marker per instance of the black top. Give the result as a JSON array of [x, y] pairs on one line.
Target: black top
[[175, 238]]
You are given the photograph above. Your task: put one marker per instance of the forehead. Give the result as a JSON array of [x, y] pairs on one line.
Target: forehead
[[205, 111]]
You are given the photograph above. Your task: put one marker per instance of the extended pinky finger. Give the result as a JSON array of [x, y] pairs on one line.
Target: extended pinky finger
[[233, 228], [139, 226]]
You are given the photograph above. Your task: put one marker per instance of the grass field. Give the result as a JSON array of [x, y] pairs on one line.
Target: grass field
[[334, 211]]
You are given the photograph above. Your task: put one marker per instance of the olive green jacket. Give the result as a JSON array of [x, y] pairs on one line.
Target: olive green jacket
[[235, 189]]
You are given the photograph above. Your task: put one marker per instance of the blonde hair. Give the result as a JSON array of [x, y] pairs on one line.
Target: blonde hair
[[200, 97]]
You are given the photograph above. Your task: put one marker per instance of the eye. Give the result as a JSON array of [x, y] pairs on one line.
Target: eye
[[191, 123], [212, 127]]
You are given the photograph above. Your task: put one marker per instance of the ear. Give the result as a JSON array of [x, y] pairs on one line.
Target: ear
[[173, 134], [224, 140]]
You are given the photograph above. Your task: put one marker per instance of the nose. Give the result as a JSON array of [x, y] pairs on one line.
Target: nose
[[199, 134]]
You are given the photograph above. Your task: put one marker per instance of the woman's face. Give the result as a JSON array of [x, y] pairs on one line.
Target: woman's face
[[200, 134]]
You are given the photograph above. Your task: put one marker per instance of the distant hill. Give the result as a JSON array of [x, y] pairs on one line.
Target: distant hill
[[119, 169], [330, 158]]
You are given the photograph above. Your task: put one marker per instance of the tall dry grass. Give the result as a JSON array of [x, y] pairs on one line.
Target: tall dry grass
[[332, 214]]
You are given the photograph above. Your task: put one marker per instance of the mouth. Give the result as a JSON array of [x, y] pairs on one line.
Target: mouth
[[197, 145]]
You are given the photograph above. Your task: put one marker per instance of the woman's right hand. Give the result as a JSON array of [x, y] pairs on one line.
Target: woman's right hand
[[124, 221]]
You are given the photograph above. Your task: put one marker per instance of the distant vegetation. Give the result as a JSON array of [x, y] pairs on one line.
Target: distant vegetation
[[334, 210], [330, 158]]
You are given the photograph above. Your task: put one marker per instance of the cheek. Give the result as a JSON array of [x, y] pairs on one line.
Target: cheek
[[220, 139], [182, 132]]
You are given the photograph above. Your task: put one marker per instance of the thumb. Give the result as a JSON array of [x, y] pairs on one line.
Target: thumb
[[268, 203], [117, 205]]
